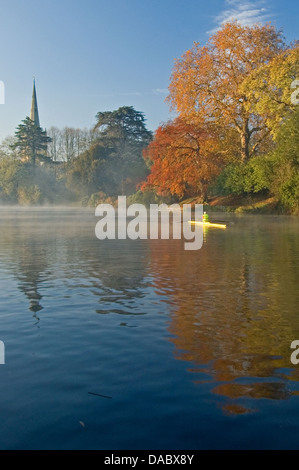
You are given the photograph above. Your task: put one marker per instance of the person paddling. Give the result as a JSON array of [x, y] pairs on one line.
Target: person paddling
[[206, 218]]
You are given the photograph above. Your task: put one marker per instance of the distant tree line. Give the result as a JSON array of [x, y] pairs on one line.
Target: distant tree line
[[63, 145], [73, 165], [68, 143]]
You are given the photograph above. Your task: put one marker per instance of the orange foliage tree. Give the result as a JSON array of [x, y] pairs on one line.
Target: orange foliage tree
[[206, 84], [184, 159]]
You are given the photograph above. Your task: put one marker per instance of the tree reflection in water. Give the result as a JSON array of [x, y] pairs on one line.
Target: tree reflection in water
[[234, 307], [44, 246]]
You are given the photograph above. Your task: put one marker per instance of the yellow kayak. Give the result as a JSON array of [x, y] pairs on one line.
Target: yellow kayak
[[207, 224]]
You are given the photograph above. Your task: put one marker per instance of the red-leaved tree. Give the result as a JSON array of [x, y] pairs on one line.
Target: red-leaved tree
[[184, 160]]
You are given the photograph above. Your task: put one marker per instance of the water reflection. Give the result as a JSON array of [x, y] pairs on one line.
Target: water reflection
[[27, 256], [49, 250], [234, 308], [232, 305]]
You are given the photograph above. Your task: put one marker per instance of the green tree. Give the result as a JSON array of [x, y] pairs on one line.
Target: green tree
[[88, 173], [270, 88], [285, 183], [31, 141], [124, 133], [253, 177], [10, 175], [125, 125], [7, 148]]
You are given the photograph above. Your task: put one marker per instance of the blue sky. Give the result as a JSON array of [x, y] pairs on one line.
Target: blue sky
[[97, 55]]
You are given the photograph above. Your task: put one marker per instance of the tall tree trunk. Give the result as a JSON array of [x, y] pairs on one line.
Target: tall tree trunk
[[245, 142]]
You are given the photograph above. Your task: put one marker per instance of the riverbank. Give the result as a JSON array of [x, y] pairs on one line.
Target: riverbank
[[251, 204]]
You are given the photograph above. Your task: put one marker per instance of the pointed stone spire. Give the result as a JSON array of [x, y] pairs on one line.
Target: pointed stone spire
[[34, 116]]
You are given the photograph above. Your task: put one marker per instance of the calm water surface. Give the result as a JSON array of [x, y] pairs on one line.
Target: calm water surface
[[183, 350]]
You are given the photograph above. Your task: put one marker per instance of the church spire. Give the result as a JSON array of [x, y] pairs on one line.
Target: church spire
[[34, 116]]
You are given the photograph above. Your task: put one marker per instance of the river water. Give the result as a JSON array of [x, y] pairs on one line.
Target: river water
[[142, 345]]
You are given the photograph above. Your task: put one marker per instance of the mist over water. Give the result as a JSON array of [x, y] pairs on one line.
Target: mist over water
[[192, 349]]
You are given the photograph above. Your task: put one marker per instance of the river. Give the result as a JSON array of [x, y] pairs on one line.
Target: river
[[142, 345]]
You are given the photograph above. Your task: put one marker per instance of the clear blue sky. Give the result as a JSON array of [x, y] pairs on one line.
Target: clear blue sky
[[97, 55]]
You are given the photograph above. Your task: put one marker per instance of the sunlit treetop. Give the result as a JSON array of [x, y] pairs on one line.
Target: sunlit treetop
[[206, 84]]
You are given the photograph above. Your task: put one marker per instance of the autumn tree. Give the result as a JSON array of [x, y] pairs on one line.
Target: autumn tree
[[206, 84], [184, 159], [271, 88]]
